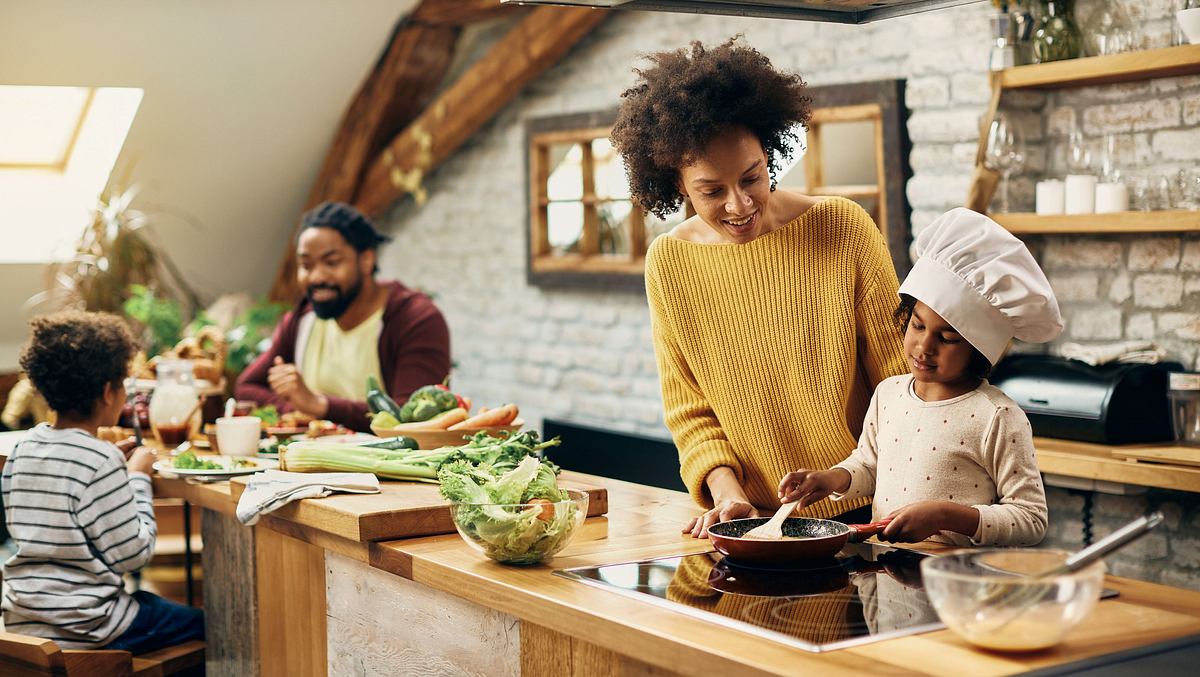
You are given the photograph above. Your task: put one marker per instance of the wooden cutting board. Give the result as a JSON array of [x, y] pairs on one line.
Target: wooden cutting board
[[1175, 455], [401, 510]]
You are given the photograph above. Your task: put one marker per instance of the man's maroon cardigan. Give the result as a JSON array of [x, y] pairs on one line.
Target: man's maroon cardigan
[[414, 351]]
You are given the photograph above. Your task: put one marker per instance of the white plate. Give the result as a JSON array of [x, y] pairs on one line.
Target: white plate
[[166, 467]]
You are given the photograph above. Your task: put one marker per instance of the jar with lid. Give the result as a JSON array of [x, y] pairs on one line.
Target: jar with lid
[[1056, 38], [1184, 395], [175, 404]]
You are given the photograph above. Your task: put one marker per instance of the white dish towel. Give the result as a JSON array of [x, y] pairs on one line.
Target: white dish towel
[[272, 489], [1143, 352]]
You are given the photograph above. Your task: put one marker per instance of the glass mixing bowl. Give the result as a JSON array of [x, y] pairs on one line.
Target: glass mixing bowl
[[520, 533], [987, 598]]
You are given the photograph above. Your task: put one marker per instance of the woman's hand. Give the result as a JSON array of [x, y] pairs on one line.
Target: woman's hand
[[918, 521], [810, 486], [723, 512]]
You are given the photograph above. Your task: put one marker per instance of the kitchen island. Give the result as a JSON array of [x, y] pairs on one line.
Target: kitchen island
[[307, 591]]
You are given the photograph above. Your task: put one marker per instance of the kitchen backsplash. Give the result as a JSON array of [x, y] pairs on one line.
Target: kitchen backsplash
[[586, 355]]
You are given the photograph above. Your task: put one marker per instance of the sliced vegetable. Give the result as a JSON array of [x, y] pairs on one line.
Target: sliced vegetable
[[498, 509], [189, 461], [547, 508]]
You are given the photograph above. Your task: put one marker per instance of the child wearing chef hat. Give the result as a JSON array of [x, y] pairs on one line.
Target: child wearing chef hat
[[944, 453]]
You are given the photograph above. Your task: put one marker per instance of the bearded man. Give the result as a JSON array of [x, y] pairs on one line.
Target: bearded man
[[348, 326]]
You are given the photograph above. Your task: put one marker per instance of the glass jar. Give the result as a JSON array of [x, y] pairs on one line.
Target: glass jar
[[1107, 30], [1184, 395], [1056, 38], [175, 404], [1024, 24]]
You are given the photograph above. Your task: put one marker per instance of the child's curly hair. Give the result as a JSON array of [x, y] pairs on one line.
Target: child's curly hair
[[686, 98], [979, 367], [72, 355]]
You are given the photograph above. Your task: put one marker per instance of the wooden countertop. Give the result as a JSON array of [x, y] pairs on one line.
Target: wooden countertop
[[644, 522], [400, 510], [1118, 463]]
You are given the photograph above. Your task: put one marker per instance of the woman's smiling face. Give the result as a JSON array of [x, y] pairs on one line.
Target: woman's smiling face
[[936, 352], [729, 185]]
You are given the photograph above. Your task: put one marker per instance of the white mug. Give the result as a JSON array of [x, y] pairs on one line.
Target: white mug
[[238, 435]]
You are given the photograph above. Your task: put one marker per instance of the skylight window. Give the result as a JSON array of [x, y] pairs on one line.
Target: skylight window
[[58, 146], [39, 124]]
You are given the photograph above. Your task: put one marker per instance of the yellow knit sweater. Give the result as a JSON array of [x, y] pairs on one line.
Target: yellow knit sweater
[[768, 351]]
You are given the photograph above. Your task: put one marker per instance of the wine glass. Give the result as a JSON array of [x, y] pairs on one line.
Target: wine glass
[[1005, 153]]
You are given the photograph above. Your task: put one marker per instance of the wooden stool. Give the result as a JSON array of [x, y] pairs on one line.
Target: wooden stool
[[25, 656]]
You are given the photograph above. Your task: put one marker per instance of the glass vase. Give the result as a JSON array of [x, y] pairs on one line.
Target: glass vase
[[1057, 37]]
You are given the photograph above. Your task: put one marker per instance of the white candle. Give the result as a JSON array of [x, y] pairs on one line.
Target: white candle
[[1049, 197], [1081, 194], [1111, 197]]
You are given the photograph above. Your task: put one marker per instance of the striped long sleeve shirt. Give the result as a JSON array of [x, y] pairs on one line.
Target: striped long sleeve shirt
[[79, 521]]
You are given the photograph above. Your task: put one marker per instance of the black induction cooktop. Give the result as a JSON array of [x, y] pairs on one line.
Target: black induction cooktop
[[866, 593]]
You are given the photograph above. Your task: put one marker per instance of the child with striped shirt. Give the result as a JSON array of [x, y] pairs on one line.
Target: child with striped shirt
[[79, 513]]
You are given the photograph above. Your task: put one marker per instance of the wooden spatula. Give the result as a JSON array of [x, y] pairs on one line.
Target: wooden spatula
[[772, 530]]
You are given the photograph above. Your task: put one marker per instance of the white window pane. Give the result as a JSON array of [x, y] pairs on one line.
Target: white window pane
[[564, 226], [37, 123], [49, 210], [610, 171], [566, 172], [614, 227]]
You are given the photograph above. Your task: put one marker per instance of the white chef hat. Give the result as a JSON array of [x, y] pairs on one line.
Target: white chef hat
[[983, 281]]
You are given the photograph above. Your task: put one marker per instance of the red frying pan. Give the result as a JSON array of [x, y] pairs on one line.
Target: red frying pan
[[805, 539]]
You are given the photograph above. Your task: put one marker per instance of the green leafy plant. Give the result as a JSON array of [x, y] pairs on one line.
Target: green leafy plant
[[249, 333], [114, 256], [161, 317]]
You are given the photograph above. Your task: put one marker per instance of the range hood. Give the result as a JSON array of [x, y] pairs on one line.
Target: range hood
[[835, 11]]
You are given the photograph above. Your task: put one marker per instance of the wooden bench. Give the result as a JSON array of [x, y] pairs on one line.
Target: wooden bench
[[25, 656], [619, 455]]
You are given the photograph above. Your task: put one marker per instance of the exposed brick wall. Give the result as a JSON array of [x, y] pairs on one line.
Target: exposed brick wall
[[586, 355]]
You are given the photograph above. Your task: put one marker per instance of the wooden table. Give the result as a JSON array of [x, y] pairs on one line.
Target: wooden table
[[325, 601]]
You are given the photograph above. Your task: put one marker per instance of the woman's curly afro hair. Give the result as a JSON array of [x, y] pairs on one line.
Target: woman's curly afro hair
[[72, 355], [687, 97]]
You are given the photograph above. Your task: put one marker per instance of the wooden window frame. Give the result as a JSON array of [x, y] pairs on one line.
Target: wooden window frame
[[589, 268], [881, 101]]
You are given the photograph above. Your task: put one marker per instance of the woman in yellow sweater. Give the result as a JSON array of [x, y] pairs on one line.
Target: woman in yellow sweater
[[771, 310]]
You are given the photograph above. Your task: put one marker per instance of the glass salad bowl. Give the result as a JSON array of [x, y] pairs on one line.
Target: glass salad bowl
[[524, 533], [987, 598]]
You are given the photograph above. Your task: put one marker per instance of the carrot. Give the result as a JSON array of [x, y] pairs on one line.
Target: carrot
[[547, 508], [442, 421], [489, 419]]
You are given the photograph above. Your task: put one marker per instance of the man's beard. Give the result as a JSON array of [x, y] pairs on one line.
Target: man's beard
[[333, 308]]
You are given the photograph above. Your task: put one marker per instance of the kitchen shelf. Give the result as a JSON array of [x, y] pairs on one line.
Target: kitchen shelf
[[1174, 221], [1108, 463], [1105, 70]]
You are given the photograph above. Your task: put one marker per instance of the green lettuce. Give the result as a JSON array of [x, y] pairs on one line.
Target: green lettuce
[[492, 509]]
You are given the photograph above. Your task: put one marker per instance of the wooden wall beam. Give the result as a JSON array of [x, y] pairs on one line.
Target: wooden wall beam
[[400, 86], [528, 50], [462, 12]]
